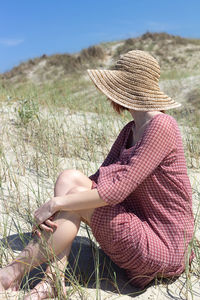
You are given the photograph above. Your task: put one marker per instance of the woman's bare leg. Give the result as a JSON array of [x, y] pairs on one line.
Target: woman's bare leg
[[63, 187], [44, 289], [68, 224], [43, 249]]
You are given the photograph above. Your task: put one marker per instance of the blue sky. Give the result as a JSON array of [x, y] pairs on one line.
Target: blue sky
[[30, 28]]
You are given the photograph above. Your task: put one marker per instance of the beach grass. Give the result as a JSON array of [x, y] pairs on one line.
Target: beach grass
[[62, 125]]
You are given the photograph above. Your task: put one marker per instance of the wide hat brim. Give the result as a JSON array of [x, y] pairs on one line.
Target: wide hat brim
[[131, 92]]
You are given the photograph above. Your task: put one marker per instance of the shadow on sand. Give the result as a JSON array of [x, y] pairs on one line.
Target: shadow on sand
[[85, 257]]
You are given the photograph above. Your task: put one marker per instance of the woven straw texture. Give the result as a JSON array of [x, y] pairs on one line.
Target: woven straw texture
[[134, 83]]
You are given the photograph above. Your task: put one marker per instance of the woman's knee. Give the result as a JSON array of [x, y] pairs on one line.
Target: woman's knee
[[68, 175], [70, 180], [74, 178]]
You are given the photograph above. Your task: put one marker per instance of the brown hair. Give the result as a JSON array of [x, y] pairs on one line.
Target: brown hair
[[119, 108]]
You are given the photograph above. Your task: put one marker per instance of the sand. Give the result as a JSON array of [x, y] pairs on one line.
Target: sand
[[20, 192]]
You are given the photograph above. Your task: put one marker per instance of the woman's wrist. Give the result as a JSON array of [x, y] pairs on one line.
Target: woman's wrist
[[58, 203]]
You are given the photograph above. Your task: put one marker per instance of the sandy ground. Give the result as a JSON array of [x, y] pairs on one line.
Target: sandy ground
[[28, 184]]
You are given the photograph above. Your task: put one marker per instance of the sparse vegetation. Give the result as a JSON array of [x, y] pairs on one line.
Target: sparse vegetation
[[175, 54], [46, 67], [27, 110], [52, 125], [193, 98]]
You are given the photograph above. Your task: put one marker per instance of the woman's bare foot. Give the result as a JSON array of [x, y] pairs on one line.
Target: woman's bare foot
[[1, 288], [7, 281], [42, 290], [45, 289]]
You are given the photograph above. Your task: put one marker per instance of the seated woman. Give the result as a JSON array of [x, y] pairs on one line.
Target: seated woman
[[138, 204]]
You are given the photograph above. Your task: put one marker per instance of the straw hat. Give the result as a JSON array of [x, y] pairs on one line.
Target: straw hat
[[133, 83]]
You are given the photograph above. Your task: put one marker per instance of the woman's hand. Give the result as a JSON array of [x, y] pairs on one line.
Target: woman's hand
[[47, 225], [45, 211], [43, 217]]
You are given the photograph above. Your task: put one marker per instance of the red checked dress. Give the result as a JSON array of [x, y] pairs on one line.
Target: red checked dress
[[148, 222]]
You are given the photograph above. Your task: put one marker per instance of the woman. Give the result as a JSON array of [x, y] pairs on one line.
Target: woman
[[139, 202]]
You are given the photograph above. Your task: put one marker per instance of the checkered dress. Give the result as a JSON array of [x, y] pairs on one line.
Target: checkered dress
[[148, 222]]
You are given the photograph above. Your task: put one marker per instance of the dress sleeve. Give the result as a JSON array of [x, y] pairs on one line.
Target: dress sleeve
[[117, 181], [113, 153]]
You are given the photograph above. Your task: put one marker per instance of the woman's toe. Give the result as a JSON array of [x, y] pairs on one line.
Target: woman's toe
[[41, 291]]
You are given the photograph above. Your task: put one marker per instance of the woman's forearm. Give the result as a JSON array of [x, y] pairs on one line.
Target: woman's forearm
[[78, 201]]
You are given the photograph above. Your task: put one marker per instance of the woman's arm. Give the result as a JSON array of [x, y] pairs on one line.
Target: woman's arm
[[117, 181], [78, 201], [71, 202], [81, 200]]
